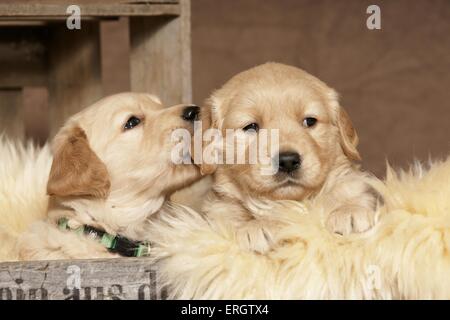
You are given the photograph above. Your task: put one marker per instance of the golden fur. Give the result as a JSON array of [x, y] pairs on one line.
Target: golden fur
[[108, 177], [76, 169], [277, 96], [405, 256]]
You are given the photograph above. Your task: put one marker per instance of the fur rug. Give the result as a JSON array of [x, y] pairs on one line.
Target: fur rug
[[406, 256], [24, 171]]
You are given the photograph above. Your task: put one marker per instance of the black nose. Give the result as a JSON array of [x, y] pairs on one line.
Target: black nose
[[191, 113], [289, 161]]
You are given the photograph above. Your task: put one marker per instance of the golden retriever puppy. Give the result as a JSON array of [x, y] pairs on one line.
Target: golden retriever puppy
[[314, 157], [111, 174]]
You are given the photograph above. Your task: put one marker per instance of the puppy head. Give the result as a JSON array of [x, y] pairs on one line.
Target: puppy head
[[315, 134], [120, 147]]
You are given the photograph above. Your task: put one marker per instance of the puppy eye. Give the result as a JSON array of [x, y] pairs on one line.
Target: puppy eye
[[251, 126], [132, 122], [309, 122]]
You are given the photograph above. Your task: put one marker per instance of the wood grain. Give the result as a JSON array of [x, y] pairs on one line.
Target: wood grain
[[22, 57], [11, 113], [109, 279], [74, 71], [90, 2], [160, 59], [68, 62], [87, 10]]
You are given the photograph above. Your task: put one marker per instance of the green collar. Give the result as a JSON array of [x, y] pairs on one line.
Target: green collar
[[115, 244]]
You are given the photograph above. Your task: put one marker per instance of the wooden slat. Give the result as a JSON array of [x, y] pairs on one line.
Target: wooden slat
[[11, 113], [21, 23], [112, 10], [74, 71], [185, 51], [127, 278], [160, 59], [45, 20], [90, 2], [22, 57]]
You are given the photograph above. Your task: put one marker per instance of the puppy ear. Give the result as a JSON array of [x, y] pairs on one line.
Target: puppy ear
[[207, 123], [76, 169], [348, 136]]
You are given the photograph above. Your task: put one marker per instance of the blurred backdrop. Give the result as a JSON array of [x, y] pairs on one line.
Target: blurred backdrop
[[394, 82]]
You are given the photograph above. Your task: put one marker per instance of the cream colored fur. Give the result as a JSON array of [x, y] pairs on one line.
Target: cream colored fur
[[24, 172], [104, 174], [405, 256], [281, 98]]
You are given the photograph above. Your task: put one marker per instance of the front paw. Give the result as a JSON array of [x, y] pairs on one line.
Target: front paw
[[350, 219]]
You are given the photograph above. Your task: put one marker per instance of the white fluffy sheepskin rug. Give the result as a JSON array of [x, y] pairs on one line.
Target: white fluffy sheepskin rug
[[24, 171], [406, 256]]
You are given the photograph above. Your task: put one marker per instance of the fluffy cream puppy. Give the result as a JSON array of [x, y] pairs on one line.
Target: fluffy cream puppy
[[111, 174], [315, 156]]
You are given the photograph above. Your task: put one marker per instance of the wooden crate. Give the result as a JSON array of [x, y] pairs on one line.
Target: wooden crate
[[37, 50], [110, 279]]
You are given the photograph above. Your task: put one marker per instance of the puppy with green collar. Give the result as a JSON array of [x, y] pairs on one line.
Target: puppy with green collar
[[111, 176]]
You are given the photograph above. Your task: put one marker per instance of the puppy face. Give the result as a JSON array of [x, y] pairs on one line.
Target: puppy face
[[120, 148], [315, 134]]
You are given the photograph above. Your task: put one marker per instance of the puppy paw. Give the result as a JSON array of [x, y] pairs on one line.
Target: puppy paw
[[348, 220]]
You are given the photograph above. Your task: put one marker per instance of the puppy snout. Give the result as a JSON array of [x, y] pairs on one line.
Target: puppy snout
[[191, 113], [289, 161]]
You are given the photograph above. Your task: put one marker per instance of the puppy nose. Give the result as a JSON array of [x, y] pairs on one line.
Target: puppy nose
[[289, 161], [191, 113]]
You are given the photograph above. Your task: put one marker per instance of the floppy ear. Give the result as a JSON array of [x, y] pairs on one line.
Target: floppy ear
[[207, 123], [76, 169], [349, 138]]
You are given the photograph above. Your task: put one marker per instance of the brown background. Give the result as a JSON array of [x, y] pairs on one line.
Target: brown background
[[394, 82]]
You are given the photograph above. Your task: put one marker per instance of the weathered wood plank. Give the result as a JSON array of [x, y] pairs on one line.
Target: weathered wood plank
[[128, 279], [22, 57], [45, 20], [11, 113], [160, 59], [92, 10], [96, 2], [75, 71]]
